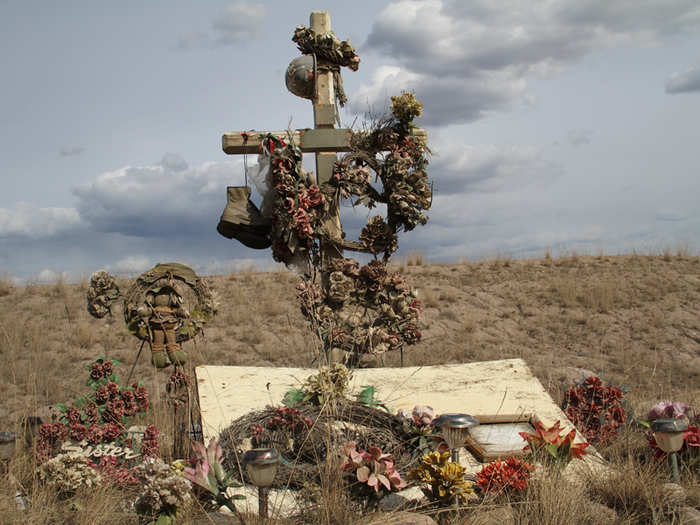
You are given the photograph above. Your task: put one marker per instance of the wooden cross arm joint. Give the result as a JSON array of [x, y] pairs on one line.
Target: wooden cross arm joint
[[325, 140]]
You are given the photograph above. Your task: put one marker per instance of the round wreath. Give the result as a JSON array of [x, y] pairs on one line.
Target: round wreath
[[199, 302], [355, 309], [361, 310]]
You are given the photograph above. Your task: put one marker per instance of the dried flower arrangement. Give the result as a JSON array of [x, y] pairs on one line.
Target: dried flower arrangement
[[550, 447], [163, 492], [508, 477], [372, 474], [444, 478], [68, 473], [208, 473], [98, 417], [598, 411], [351, 308]]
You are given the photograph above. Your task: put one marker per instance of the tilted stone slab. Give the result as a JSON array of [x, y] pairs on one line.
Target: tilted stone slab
[[492, 387]]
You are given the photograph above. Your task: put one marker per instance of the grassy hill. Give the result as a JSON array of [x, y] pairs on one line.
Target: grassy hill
[[632, 319]]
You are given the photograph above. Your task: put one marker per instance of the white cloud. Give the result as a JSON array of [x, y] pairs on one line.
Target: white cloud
[[49, 276], [239, 21], [684, 82], [445, 98], [26, 220], [477, 54], [460, 168], [132, 264], [164, 199]]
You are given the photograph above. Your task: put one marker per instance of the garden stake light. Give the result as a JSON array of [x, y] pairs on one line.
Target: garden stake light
[[454, 428], [261, 465], [669, 437]]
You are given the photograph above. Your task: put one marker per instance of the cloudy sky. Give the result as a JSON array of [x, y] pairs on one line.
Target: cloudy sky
[[561, 124]]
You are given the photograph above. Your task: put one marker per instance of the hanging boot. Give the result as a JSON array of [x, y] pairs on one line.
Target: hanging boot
[[242, 220], [158, 358], [176, 354]]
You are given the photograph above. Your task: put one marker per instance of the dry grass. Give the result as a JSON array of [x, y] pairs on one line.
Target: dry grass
[[632, 319]]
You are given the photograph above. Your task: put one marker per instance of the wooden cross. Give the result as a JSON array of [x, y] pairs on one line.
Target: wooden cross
[[324, 140]]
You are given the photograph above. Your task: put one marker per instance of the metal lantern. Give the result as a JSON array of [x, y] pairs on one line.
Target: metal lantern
[[669, 437], [300, 77], [454, 428]]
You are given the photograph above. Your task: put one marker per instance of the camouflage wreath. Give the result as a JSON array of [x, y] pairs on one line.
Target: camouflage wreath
[[197, 302]]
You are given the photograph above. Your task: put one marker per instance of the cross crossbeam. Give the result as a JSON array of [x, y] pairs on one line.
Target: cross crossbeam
[[308, 140]]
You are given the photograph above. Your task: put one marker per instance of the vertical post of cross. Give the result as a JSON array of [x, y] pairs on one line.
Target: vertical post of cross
[[325, 117]]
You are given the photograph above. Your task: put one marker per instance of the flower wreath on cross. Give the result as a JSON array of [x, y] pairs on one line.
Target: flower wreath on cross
[[357, 309]]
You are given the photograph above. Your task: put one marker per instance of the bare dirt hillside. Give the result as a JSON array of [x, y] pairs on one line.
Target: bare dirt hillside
[[632, 319]]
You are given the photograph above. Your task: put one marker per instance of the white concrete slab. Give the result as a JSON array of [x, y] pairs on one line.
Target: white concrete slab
[[492, 387], [486, 388]]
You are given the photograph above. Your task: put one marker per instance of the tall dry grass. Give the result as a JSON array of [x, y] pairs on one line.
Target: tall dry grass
[[632, 319]]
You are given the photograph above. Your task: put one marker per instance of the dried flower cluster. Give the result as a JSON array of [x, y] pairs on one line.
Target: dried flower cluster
[[163, 491], [298, 205], [399, 162], [671, 409], [362, 309], [419, 425], [595, 409], [330, 53], [406, 107], [102, 293], [112, 472], [329, 384], [444, 478], [421, 416], [504, 477], [101, 416], [68, 473], [286, 420], [371, 468], [326, 46]]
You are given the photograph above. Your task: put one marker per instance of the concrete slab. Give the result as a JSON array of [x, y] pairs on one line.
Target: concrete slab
[[485, 388], [491, 387]]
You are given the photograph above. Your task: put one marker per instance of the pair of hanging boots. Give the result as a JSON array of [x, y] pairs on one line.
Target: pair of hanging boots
[[165, 339], [243, 221]]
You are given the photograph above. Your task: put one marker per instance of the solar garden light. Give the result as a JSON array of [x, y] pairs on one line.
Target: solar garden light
[[261, 466], [669, 437], [455, 428]]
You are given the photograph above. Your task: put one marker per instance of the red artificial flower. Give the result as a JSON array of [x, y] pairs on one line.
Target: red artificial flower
[[499, 476]]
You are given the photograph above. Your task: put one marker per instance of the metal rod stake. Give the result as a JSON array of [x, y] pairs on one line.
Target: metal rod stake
[[262, 502], [675, 473]]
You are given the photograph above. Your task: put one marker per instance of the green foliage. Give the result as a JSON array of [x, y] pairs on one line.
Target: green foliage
[[368, 397], [294, 397]]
